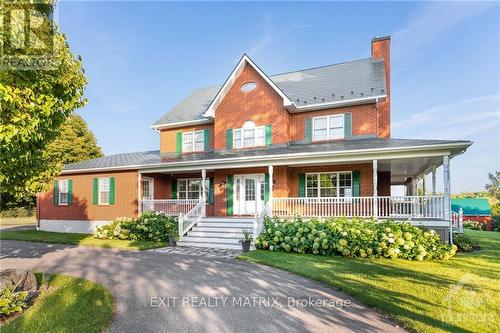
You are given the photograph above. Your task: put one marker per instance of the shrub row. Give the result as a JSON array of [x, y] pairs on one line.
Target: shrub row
[[353, 238], [149, 226]]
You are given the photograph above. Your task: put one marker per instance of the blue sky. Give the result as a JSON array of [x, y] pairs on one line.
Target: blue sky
[[142, 58]]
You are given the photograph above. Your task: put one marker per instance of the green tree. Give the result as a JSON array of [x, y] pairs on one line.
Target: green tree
[[493, 187], [35, 103]]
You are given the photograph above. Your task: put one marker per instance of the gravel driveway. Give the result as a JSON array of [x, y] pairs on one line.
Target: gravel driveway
[[211, 295]]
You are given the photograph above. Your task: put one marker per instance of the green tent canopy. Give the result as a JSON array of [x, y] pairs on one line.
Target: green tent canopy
[[472, 206]]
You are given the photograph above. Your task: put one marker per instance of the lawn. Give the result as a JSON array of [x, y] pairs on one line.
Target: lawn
[[8, 221], [77, 239], [458, 295], [68, 305]]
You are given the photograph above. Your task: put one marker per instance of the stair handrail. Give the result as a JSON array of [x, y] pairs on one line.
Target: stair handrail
[[258, 221], [193, 216]]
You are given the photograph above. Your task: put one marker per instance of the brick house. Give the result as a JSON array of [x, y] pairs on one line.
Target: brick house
[[314, 142]]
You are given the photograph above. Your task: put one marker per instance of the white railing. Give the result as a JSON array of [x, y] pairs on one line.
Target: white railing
[[431, 207], [457, 220], [258, 222], [169, 206], [188, 220]]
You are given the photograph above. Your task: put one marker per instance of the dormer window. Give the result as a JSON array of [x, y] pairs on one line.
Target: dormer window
[[328, 128], [249, 86], [249, 136], [193, 141]]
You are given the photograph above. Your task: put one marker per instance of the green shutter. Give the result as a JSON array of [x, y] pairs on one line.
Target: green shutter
[[266, 188], [269, 135], [302, 185], [356, 189], [111, 190], [56, 192], [178, 146], [309, 129], [70, 192], [229, 139], [211, 196], [174, 188], [229, 195], [95, 191], [207, 139], [347, 125]]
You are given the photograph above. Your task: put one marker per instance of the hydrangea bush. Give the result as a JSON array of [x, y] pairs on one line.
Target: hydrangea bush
[[353, 238], [149, 226]]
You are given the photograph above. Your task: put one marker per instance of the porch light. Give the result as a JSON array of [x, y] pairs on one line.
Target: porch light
[[222, 186]]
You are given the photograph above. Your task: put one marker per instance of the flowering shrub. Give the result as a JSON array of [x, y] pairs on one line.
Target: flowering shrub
[[149, 226], [475, 225], [353, 238]]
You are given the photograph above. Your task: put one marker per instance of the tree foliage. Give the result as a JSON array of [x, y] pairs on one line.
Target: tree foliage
[[35, 103]]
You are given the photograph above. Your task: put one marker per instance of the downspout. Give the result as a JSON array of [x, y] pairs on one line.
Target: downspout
[[376, 116]]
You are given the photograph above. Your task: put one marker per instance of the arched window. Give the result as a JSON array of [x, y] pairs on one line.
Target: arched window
[[249, 135]]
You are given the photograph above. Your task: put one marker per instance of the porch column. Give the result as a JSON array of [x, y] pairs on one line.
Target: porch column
[[203, 193], [447, 202], [139, 199], [270, 171], [375, 185], [423, 184], [433, 180]]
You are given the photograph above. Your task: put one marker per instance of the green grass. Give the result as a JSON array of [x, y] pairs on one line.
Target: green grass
[[69, 305], [77, 239], [458, 295], [7, 221]]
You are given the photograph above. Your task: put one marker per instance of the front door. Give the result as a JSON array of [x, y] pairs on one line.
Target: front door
[[147, 193], [248, 194]]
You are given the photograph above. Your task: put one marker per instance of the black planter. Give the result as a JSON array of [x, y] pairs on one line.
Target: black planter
[[171, 241], [245, 246]]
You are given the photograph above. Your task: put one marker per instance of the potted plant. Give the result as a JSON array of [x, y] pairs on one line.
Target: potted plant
[[173, 233], [247, 239]]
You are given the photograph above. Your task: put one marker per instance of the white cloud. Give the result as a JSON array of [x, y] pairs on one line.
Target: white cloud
[[430, 24]]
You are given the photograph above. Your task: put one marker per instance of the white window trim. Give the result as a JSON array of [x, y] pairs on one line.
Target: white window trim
[[99, 191], [151, 187], [328, 138], [241, 130], [207, 180], [193, 134], [59, 192], [319, 185]]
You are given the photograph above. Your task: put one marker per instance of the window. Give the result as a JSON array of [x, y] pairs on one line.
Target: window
[[193, 141], [249, 86], [104, 190], [331, 184], [249, 136], [63, 192], [328, 128], [191, 188]]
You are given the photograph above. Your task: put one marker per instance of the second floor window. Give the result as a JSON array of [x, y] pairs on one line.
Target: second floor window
[[193, 141], [249, 136], [63, 192], [328, 127], [104, 190]]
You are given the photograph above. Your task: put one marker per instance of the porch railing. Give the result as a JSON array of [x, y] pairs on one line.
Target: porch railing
[[169, 206], [426, 207], [188, 220], [457, 220]]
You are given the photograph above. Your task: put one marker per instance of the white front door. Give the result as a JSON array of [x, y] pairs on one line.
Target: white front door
[[248, 194]]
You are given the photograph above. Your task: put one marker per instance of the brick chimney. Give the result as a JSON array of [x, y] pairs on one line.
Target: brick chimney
[[381, 49]]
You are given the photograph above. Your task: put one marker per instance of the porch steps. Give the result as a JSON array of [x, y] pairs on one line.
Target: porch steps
[[214, 232]]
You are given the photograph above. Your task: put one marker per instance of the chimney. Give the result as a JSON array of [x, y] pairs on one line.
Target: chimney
[[381, 49]]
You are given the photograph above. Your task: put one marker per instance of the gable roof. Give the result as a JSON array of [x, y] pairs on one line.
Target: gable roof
[[471, 206], [359, 81]]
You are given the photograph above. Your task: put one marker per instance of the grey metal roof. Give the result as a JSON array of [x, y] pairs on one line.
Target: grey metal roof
[[338, 82], [143, 159]]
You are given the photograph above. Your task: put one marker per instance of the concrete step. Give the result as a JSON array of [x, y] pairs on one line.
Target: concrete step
[[228, 219], [225, 224], [236, 235], [221, 229], [210, 245], [220, 240]]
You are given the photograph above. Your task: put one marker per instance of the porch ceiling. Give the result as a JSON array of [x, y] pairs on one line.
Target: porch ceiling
[[404, 168]]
